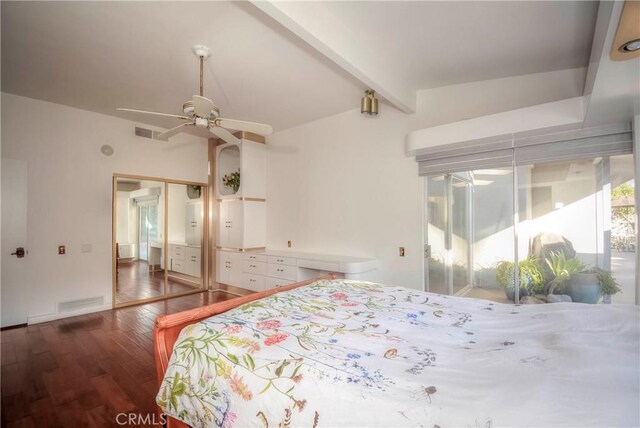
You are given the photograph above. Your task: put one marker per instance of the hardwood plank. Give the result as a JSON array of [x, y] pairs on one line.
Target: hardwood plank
[[26, 422], [83, 371], [112, 393], [7, 354]]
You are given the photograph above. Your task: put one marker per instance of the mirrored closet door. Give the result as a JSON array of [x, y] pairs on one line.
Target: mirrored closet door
[[158, 237]]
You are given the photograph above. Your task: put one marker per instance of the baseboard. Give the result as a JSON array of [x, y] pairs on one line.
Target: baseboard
[[236, 291], [37, 319]]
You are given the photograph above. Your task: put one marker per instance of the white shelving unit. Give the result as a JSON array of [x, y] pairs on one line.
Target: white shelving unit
[[242, 215]]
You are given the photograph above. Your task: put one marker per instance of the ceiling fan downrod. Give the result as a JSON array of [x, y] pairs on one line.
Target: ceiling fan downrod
[[203, 53], [201, 78]]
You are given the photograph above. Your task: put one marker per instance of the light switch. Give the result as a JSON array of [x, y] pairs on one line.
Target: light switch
[[62, 249], [401, 251], [289, 244]]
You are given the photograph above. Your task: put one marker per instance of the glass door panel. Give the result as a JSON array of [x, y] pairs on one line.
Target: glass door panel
[[624, 227], [470, 233], [139, 218], [185, 238], [460, 232], [580, 214], [159, 239], [493, 249], [436, 275]]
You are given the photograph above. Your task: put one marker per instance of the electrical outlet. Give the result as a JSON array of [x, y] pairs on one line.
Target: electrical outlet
[[289, 244], [62, 250], [401, 251]]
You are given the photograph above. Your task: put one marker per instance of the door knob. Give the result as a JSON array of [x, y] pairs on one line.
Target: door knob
[[19, 252]]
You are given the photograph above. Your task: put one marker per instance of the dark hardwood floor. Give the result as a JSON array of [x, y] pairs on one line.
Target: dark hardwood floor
[[85, 370], [135, 282]]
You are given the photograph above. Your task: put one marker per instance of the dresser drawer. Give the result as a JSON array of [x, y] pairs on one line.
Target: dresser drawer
[[256, 268], [282, 271], [177, 252], [282, 260], [178, 265], [277, 282], [253, 282], [254, 257]]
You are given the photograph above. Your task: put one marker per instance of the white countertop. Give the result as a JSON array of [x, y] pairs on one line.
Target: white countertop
[[184, 244], [328, 262]]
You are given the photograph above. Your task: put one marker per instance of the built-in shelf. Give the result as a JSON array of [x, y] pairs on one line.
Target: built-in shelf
[[250, 159]]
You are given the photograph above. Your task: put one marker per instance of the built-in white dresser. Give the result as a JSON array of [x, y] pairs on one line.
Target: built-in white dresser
[[258, 271]]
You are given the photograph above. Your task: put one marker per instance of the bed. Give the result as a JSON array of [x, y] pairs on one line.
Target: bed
[[340, 353]]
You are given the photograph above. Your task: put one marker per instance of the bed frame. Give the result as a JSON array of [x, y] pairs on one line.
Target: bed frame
[[168, 327]]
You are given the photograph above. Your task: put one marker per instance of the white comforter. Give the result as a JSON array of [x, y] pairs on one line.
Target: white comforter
[[346, 354]]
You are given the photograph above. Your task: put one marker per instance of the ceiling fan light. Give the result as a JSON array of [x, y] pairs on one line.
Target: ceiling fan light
[[188, 109]]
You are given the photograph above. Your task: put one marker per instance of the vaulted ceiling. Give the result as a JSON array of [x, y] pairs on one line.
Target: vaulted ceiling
[[278, 63]]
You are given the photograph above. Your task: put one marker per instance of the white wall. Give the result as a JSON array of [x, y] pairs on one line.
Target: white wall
[[343, 184], [70, 185]]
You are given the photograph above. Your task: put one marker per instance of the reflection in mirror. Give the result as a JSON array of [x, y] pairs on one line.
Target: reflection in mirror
[[185, 252], [139, 240]]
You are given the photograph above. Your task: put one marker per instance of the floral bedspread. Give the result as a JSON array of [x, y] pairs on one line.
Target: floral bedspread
[[347, 353]]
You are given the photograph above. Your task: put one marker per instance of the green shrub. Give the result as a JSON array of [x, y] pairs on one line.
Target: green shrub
[[529, 271]]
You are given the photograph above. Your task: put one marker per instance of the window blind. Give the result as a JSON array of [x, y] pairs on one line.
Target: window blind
[[548, 145]]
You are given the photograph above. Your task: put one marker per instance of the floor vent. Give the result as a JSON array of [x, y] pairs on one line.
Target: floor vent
[[149, 133], [76, 305]]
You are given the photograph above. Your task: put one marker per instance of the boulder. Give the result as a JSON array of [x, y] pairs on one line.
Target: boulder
[[558, 298]]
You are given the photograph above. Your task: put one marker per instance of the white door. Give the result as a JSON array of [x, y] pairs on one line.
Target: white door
[[235, 224], [14, 283], [223, 224]]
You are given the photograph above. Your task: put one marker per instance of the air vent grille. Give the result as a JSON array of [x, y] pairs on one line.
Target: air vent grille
[[76, 305], [148, 133]]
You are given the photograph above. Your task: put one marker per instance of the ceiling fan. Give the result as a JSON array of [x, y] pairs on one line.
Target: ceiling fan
[[201, 112]]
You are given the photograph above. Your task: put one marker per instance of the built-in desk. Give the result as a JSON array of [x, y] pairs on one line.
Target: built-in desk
[[267, 269]]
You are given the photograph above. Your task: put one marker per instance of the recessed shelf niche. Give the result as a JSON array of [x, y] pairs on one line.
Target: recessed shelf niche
[[250, 159], [228, 163]]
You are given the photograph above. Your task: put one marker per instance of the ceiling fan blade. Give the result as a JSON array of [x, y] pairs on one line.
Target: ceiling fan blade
[[223, 134], [241, 125], [202, 106], [173, 131], [155, 113]]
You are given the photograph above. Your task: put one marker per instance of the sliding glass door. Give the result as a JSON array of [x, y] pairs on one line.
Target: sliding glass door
[[448, 229], [542, 217]]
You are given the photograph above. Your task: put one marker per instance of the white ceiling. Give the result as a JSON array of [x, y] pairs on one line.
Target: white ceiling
[[99, 56], [433, 44], [102, 55]]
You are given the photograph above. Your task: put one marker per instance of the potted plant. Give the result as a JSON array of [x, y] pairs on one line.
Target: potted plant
[[232, 180], [592, 283], [562, 269], [529, 274]]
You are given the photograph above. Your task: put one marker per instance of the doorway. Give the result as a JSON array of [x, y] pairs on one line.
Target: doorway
[[13, 284]]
